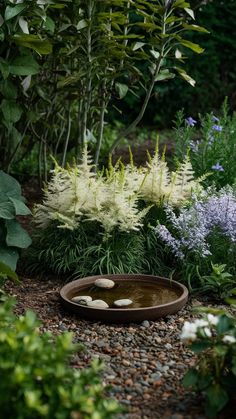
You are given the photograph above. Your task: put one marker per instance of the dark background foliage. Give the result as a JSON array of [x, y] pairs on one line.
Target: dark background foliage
[[214, 70]]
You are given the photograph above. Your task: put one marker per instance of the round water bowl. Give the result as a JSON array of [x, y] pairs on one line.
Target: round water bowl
[[153, 297]]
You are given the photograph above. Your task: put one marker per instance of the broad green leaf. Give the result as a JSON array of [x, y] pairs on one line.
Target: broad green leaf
[[195, 28], [190, 12], [164, 75], [42, 47], [224, 324], [121, 89], [11, 12], [194, 47], [178, 54], [199, 346], [185, 76], [20, 207], [4, 68], [217, 396], [26, 83], [9, 257], [155, 54], [190, 378], [23, 25], [138, 45], [24, 66], [6, 270], [49, 24], [9, 185], [81, 24], [16, 235], [8, 89], [11, 111], [7, 211]]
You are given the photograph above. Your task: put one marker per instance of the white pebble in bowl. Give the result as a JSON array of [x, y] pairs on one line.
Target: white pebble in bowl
[[123, 303], [81, 299], [104, 283], [97, 304]]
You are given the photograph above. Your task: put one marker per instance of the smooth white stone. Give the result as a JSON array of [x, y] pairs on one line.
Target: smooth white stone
[[104, 283], [123, 303], [81, 299], [98, 304]]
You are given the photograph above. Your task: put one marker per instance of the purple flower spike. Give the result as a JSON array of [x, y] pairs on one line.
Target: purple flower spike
[[215, 119], [217, 167], [217, 128], [190, 121]]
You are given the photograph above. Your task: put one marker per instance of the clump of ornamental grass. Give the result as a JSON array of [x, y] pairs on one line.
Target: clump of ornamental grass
[[94, 222], [201, 232]]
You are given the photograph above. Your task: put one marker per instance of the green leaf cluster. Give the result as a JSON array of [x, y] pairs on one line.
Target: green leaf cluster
[[215, 371], [219, 284], [36, 378], [83, 58], [12, 236]]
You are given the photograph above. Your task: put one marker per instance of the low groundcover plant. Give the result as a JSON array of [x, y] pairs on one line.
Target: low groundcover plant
[[213, 339], [36, 379]]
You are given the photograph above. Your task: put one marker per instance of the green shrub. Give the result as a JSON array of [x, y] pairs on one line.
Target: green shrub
[[213, 339], [219, 283], [12, 236], [36, 379]]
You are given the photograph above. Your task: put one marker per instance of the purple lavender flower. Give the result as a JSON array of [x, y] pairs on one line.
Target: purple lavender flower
[[190, 121], [215, 119], [217, 167], [217, 128], [193, 226]]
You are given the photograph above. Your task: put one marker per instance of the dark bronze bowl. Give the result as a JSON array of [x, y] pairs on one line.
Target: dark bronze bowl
[[124, 315]]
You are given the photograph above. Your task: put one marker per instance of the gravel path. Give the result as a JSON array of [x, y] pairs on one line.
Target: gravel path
[[144, 363]]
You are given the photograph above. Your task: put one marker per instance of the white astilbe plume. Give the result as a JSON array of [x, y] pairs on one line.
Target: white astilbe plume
[[159, 185], [120, 203], [71, 193], [78, 192], [156, 180], [182, 183]]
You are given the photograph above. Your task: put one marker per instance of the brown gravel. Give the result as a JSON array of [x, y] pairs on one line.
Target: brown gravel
[[144, 363]]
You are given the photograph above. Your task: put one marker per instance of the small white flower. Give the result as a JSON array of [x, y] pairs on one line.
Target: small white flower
[[201, 323], [207, 332], [189, 331], [229, 339], [213, 320]]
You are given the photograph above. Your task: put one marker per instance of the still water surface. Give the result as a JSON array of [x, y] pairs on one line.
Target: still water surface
[[143, 294]]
